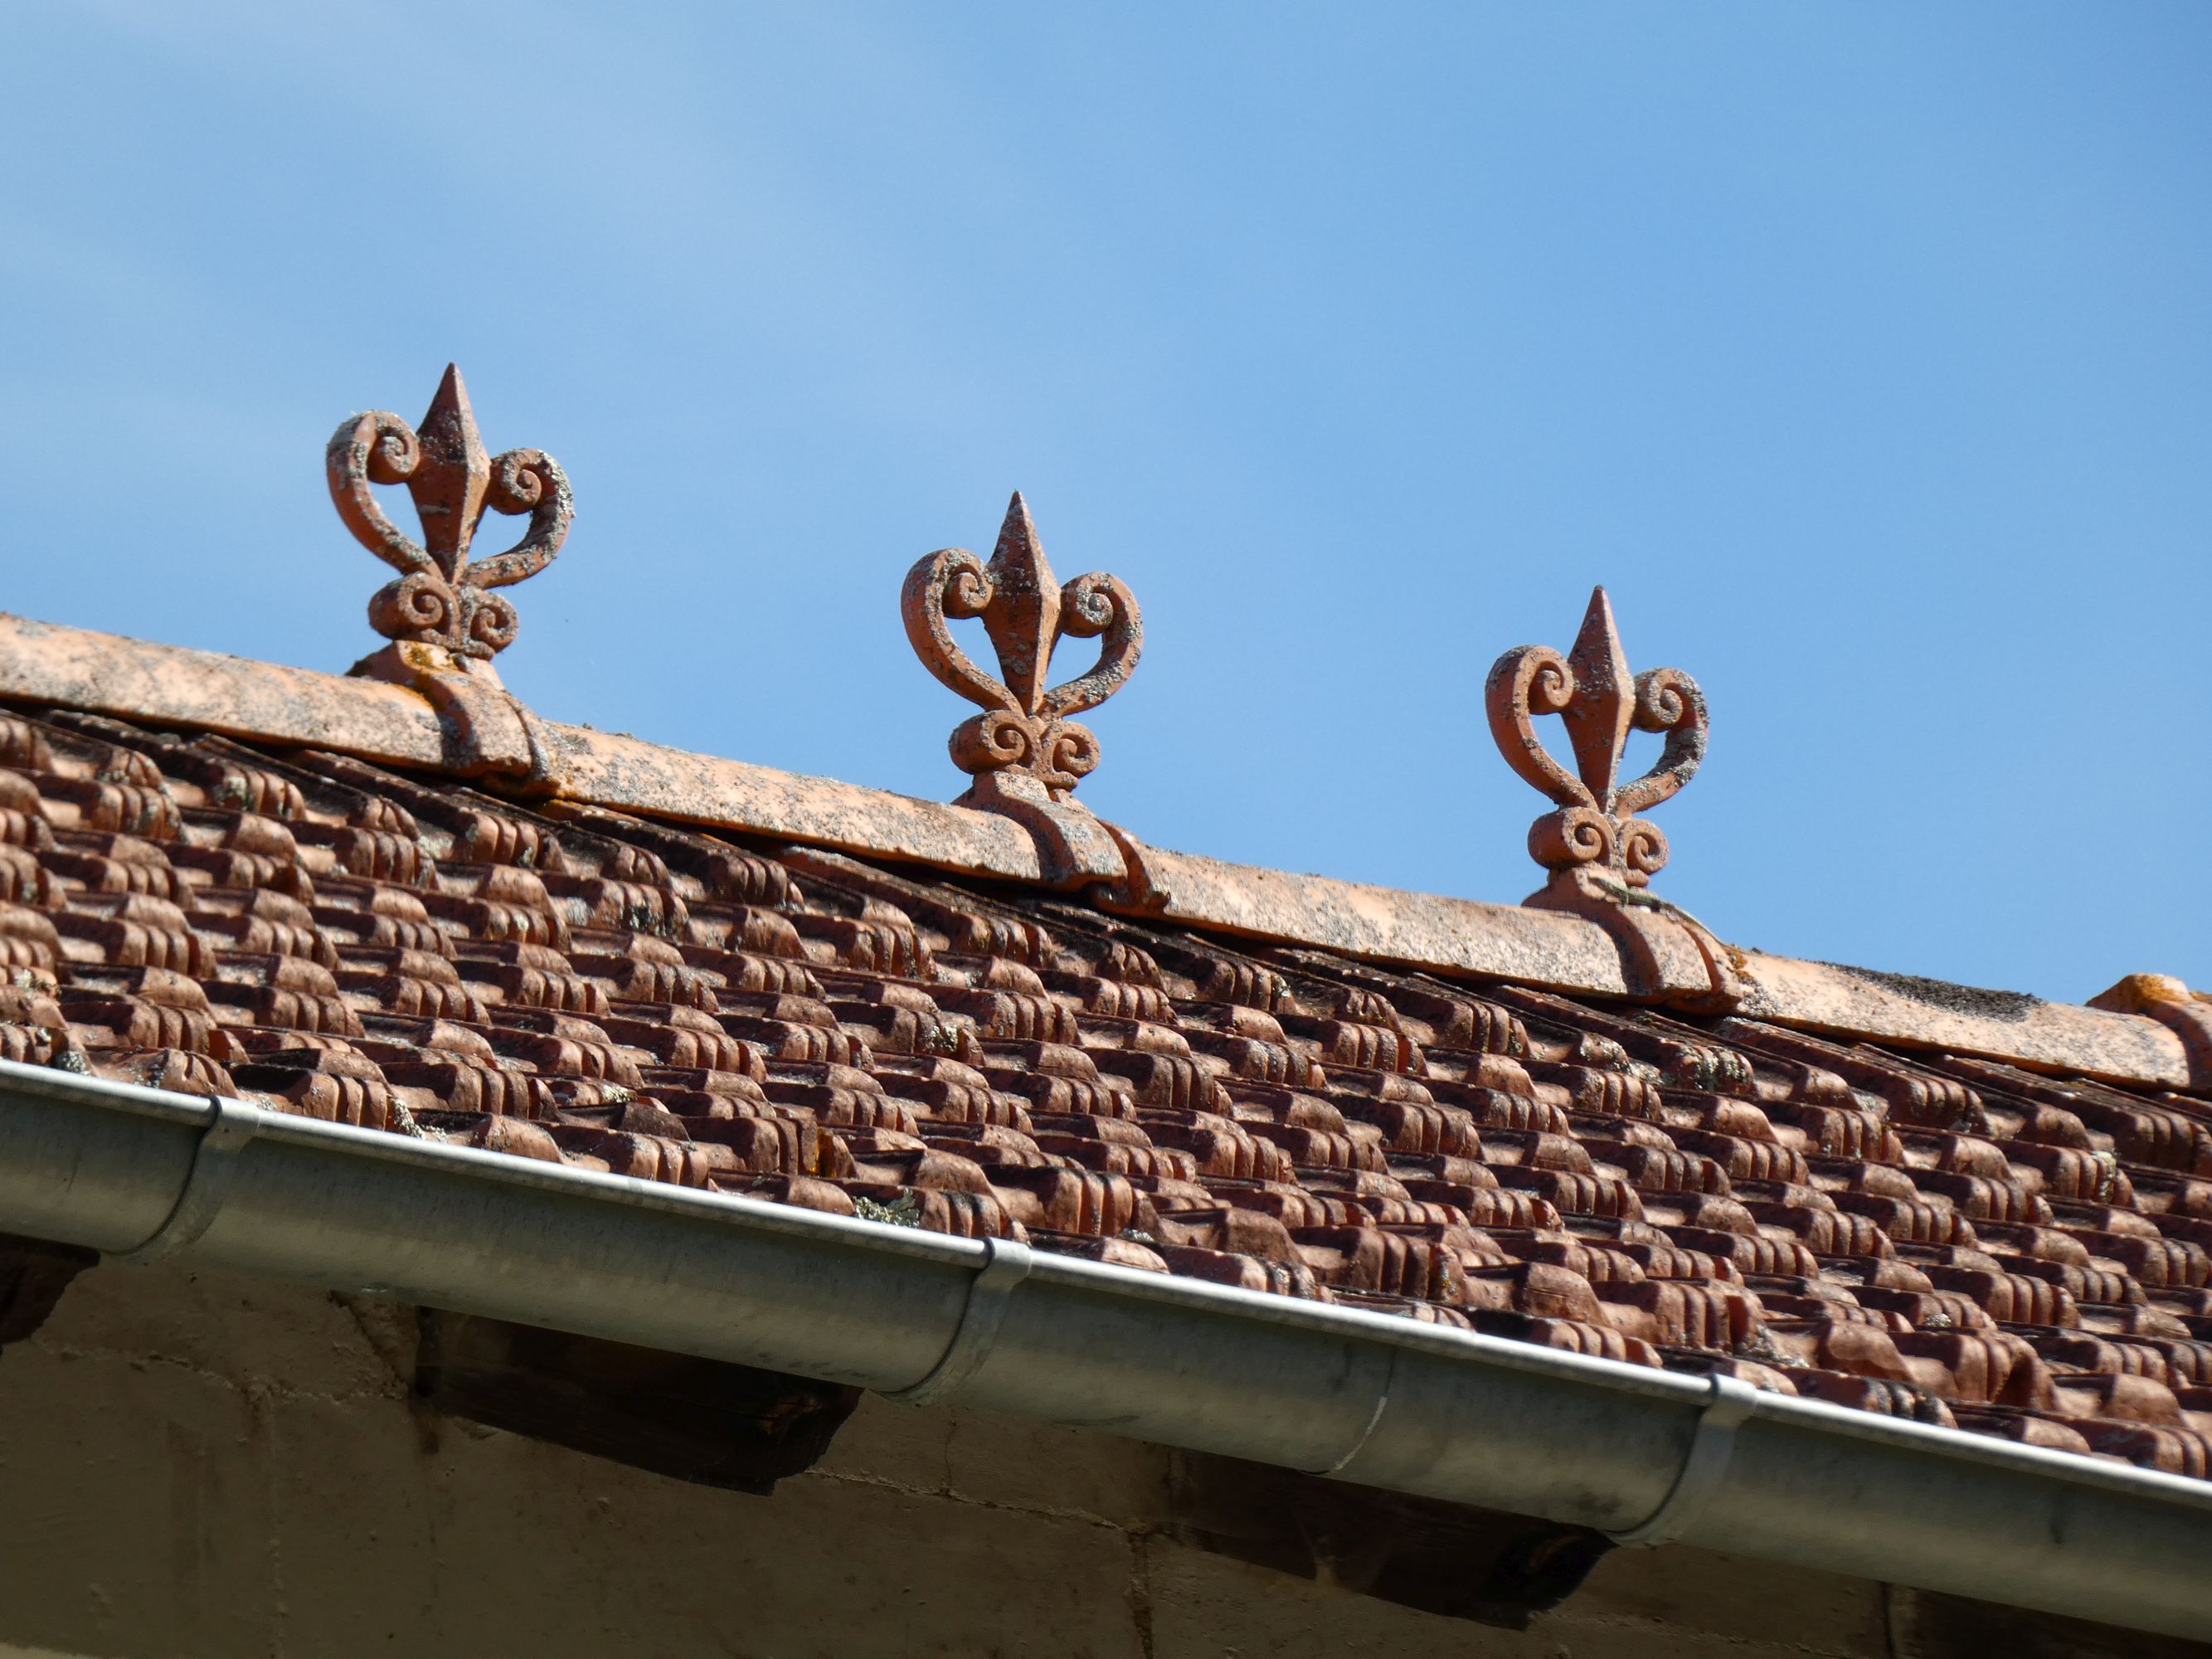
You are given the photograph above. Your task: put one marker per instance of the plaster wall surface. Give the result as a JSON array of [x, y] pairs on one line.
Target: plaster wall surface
[[193, 1464]]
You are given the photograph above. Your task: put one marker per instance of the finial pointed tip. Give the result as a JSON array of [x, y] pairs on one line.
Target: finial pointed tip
[[1599, 659], [1597, 621], [1019, 525], [452, 396]]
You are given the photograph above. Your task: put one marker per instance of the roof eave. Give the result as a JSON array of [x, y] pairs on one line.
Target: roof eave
[[1646, 1456]]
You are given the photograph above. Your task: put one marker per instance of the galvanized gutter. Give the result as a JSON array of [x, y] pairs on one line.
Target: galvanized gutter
[[1388, 1402]]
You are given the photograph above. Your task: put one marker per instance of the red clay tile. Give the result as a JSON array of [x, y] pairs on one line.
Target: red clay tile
[[1929, 1237]]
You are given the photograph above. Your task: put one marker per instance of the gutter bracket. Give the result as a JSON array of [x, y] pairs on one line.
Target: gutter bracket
[[1006, 1264], [231, 1124], [1727, 1405]]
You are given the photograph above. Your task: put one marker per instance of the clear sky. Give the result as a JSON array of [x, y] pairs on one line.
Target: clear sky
[[1864, 352]]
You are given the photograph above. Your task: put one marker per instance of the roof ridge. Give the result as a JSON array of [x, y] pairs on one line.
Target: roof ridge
[[480, 733]]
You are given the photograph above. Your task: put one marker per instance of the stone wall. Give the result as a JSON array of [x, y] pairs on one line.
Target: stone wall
[[209, 1466]]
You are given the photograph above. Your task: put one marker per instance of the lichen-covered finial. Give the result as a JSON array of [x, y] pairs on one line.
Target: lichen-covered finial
[[442, 597], [1594, 837], [1022, 743]]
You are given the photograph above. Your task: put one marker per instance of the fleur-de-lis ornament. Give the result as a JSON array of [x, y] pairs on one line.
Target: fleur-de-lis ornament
[[1596, 829], [1023, 745], [442, 597]]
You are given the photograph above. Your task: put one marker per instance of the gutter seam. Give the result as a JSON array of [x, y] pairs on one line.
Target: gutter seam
[[215, 1163], [1704, 1468], [1374, 1418], [1006, 1263]]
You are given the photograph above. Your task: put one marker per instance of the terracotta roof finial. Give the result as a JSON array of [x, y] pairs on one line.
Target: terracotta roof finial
[[442, 598], [1596, 829], [1600, 854], [1027, 755], [1022, 742]]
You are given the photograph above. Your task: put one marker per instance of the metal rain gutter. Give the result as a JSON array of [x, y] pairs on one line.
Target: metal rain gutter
[[1647, 1456]]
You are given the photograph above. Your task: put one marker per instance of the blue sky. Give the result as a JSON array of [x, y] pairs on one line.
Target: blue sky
[[1863, 352]]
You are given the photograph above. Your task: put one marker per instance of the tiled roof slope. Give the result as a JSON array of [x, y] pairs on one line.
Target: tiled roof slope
[[1947, 1238]]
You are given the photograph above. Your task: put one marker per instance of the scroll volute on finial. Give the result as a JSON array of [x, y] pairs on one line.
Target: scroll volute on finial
[[443, 599], [1023, 747], [1595, 836]]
